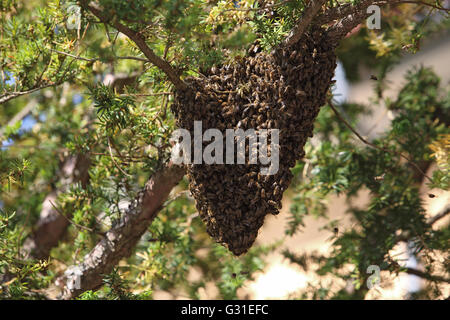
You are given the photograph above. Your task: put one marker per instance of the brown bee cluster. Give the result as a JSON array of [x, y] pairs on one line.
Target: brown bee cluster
[[283, 90]]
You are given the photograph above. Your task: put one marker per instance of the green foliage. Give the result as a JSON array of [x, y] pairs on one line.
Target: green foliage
[[395, 206], [22, 278], [113, 112], [92, 94]]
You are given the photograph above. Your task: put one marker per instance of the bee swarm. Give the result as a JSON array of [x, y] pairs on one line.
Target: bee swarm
[[283, 90]]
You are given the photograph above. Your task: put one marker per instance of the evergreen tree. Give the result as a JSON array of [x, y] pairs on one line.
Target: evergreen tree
[[91, 206]]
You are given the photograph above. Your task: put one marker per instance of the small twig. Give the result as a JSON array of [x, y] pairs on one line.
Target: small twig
[[11, 95], [147, 94], [98, 59], [422, 3], [398, 268], [373, 145], [349, 16], [342, 11], [168, 44], [269, 6], [132, 58], [127, 159], [74, 223], [163, 110], [405, 236], [85, 31], [114, 161], [175, 197], [139, 40], [424, 275]]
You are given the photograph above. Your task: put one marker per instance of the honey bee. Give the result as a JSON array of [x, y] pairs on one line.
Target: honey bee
[[264, 91], [276, 191], [300, 93], [260, 118], [336, 231], [293, 55]]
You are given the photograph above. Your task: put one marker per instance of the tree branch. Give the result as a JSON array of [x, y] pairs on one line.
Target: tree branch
[[357, 14], [98, 59], [439, 216], [350, 15], [307, 17], [423, 3], [139, 40], [52, 225], [11, 95], [342, 11], [123, 237], [424, 275]]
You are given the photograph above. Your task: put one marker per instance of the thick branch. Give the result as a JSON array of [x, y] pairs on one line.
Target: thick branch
[[52, 226], [342, 11], [123, 237], [307, 17], [350, 21], [424, 275], [139, 40], [440, 215]]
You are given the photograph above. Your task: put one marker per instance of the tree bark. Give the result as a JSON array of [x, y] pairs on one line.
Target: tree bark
[[307, 17], [123, 237]]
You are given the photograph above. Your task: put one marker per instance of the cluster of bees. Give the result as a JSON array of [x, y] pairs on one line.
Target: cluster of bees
[[280, 90]]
